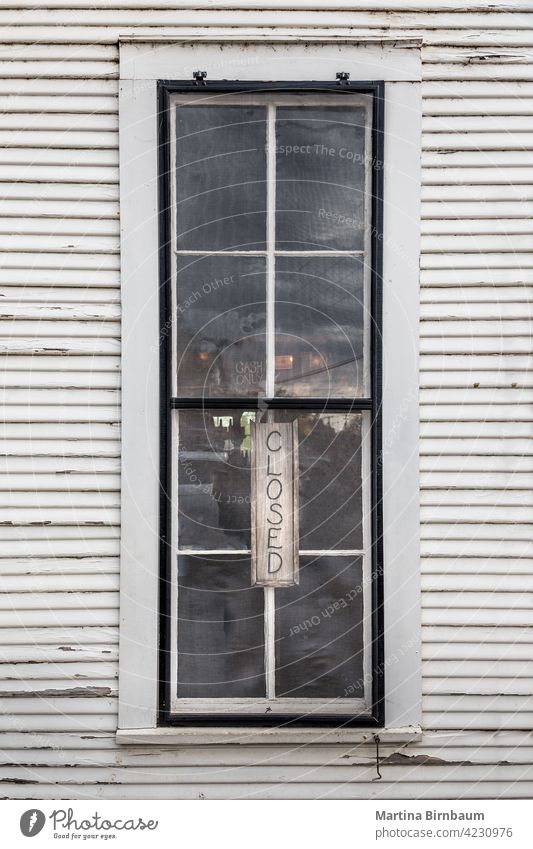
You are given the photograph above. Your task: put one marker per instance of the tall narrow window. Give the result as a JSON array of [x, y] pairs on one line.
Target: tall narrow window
[[272, 346]]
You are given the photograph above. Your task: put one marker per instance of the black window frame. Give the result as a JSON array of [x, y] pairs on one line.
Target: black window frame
[[376, 717]]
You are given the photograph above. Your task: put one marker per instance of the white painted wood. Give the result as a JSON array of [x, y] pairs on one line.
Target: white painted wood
[[46, 567], [286, 790], [443, 6], [362, 59], [191, 736], [269, 706], [274, 493], [139, 564], [86, 635], [403, 157], [161, 777], [400, 406]]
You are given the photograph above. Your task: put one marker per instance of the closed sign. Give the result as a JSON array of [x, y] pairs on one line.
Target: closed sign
[[274, 504]]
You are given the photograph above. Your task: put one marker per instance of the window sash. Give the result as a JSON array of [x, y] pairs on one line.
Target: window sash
[[271, 102], [289, 707], [273, 703]]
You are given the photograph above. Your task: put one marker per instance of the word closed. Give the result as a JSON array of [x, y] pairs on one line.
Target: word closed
[[275, 504]]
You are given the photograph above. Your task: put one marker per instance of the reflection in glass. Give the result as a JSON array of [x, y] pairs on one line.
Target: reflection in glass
[[220, 629], [221, 315], [331, 514], [319, 631], [319, 326], [214, 479], [330, 484], [320, 177], [221, 177]]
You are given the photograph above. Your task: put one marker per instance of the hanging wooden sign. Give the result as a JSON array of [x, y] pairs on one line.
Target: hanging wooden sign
[[274, 467]]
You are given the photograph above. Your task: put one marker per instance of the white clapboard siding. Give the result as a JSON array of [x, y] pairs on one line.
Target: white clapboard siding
[[499, 297], [71, 380], [60, 136], [87, 159], [60, 104], [55, 176], [58, 687], [59, 258], [453, 107], [68, 225], [48, 583], [419, 788], [54, 602], [49, 567], [62, 671], [62, 123], [513, 567], [444, 277], [474, 378], [159, 777], [74, 189], [37, 213], [482, 226], [60, 429], [68, 638], [476, 159], [64, 432], [501, 514]]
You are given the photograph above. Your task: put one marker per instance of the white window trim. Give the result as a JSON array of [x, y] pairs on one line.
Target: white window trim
[[142, 62]]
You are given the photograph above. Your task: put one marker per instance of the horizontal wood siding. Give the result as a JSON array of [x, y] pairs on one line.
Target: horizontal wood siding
[[60, 430]]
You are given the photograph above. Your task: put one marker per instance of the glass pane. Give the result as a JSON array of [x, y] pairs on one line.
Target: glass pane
[[220, 177], [220, 629], [221, 315], [320, 177], [330, 484], [319, 631], [319, 326], [214, 479], [331, 512]]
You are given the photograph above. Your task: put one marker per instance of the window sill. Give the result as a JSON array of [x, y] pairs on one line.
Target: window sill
[[255, 736]]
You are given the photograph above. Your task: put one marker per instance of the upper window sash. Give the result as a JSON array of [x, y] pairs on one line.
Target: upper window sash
[[298, 165]]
